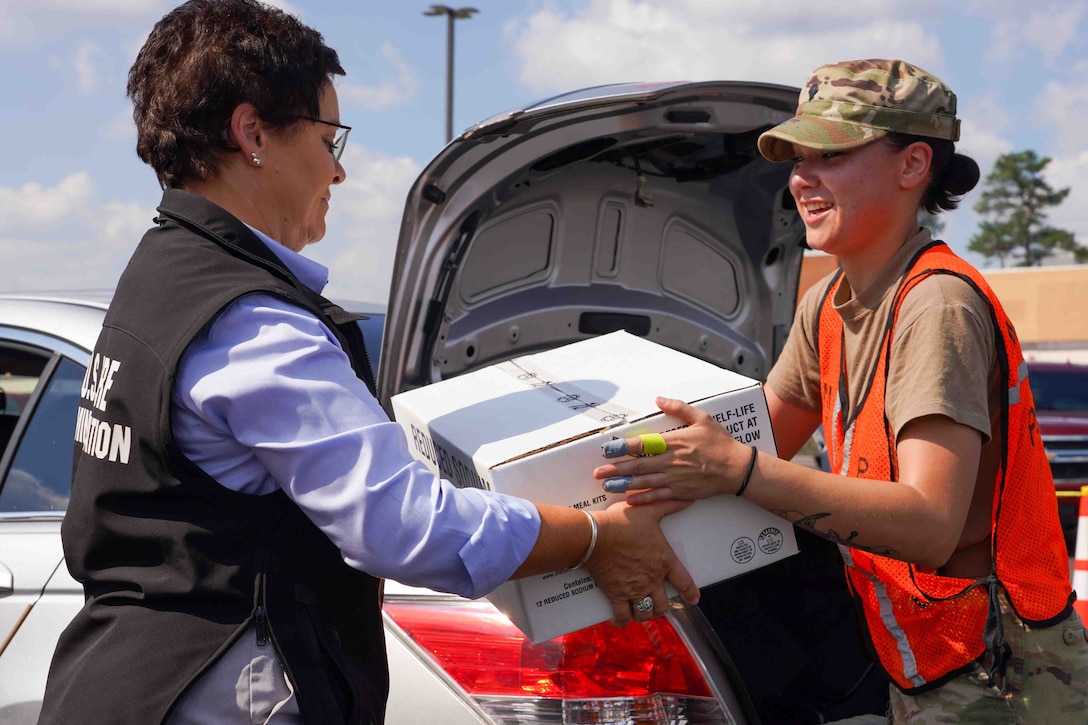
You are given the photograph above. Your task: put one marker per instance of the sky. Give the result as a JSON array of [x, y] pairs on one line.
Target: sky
[[75, 199]]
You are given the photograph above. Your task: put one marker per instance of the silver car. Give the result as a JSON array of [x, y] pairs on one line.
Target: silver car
[[637, 207]]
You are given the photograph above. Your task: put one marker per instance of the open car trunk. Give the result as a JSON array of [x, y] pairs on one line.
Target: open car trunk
[[646, 208]]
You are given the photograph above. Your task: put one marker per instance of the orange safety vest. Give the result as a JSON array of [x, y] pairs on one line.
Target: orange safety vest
[[924, 628]]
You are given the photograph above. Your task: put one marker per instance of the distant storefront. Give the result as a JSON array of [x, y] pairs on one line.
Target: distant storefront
[[1048, 305]]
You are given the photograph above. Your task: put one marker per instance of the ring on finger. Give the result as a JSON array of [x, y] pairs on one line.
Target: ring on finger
[[646, 604]]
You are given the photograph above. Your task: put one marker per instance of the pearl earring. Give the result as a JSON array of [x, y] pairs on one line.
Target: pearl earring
[[256, 160]]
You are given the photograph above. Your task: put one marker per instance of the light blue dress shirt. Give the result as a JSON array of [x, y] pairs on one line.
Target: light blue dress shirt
[[266, 399]]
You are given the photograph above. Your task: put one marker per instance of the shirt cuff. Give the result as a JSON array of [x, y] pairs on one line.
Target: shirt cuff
[[490, 566]]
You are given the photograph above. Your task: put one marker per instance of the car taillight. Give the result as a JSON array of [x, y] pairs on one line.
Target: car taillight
[[642, 673]]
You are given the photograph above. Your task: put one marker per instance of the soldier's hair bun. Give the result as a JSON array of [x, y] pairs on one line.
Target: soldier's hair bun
[[961, 176]]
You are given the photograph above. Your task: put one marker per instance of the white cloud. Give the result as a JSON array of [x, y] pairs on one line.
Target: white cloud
[[1043, 27], [984, 123], [982, 144], [15, 29], [31, 263], [983, 127], [63, 262], [97, 7], [37, 208], [786, 11], [65, 236], [120, 224], [1002, 8], [364, 223], [986, 107], [86, 62], [22, 22], [284, 6], [62, 237], [131, 48], [121, 126], [622, 40], [1070, 172], [389, 92], [1062, 107]]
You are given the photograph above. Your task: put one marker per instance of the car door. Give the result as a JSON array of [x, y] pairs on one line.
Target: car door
[[40, 378]]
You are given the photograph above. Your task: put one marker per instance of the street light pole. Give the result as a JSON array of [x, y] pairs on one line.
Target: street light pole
[[451, 15]]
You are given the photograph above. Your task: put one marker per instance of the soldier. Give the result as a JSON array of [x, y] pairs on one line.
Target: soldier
[[940, 496]]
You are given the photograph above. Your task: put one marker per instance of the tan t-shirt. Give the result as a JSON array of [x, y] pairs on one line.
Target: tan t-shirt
[[943, 361]]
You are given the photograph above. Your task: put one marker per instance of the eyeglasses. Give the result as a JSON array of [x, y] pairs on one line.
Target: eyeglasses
[[340, 141]]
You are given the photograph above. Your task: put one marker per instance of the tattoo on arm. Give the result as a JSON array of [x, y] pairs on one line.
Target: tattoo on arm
[[808, 522]]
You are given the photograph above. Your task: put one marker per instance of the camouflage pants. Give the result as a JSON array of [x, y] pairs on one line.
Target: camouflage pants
[[1047, 683]]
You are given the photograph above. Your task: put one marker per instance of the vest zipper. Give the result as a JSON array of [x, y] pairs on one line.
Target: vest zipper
[[260, 621], [263, 629]]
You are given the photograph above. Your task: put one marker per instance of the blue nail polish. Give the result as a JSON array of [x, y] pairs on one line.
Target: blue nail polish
[[615, 448], [617, 484]]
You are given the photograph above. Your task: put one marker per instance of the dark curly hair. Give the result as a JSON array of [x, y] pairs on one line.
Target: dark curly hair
[[203, 59], [951, 175]]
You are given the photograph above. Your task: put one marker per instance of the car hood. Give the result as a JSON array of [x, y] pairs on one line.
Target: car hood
[[638, 207]]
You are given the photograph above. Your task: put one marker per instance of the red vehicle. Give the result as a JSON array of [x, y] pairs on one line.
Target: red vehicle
[[1060, 391]]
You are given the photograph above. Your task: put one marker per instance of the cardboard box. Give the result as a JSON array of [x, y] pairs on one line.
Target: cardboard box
[[534, 426]]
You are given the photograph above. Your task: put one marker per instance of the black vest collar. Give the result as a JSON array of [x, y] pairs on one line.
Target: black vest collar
[[216, 224], [220, 226]]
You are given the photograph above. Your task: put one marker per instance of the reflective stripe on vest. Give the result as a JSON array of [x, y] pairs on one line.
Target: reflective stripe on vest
[[925, 628], [887, 617], [1013, 393]]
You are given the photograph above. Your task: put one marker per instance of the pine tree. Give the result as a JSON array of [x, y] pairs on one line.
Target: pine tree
[[1015, 200]]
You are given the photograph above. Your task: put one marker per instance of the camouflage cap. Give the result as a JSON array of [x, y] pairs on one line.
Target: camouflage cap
[[852, 103]]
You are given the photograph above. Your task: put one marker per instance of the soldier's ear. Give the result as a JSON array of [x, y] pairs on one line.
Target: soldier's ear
[[916, 160]]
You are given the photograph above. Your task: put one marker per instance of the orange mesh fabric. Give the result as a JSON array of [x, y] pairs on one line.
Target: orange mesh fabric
[[925, 628]]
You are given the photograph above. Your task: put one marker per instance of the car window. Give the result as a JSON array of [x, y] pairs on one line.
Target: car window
[[20, 369], [1059, 389], [40, 448]]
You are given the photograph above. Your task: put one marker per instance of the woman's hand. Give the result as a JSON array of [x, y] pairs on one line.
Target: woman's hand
[[633, 560], [702, 460]]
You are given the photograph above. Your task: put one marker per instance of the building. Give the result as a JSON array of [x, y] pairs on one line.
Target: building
[[1048, 305]]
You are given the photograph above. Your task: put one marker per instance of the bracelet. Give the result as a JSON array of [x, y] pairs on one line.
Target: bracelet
[[592, 540], [748, 473]]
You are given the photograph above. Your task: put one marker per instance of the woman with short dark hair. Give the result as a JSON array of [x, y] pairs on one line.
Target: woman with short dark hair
[[243, 493], [210, 57]]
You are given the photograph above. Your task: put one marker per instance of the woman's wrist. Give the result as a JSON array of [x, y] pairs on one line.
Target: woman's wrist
[[592, 540], [748, 471]]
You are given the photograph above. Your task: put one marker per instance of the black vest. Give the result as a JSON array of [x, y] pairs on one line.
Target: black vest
[[174, 565]]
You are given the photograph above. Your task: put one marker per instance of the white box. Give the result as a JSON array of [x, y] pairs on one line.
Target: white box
[[534, 426]]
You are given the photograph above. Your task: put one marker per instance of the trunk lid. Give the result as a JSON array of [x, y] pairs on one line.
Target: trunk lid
[[638, 207]]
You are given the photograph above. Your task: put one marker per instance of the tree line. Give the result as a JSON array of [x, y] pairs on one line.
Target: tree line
[[1013, 207]]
